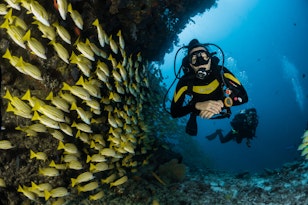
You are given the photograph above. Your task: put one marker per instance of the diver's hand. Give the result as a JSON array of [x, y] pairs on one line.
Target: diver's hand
[[213, 106], [209, 108], [206, 114]]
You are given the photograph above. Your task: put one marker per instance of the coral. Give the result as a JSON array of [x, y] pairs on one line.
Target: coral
[[172, 171]]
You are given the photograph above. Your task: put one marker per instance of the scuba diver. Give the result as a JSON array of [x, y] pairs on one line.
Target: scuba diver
[[244, 125], [206, 89]]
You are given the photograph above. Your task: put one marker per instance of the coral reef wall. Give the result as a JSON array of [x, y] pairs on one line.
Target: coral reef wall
[[78, 94]]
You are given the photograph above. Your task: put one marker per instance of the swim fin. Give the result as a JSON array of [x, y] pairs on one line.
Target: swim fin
[[191, 126]]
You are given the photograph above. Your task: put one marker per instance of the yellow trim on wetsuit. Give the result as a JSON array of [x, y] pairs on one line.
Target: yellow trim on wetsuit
[[179, 93], [206, 89], [231, 77], [201, 89]]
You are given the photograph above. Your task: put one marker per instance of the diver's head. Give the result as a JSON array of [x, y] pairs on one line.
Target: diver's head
[[199, 58]]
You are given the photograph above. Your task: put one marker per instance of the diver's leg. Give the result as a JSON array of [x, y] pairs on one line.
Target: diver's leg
[[227, 138]]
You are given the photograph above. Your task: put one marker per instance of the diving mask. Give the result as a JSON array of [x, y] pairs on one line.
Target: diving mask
[[199, 57]]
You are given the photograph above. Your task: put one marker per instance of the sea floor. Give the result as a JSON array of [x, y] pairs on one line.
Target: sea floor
[[287, 185]]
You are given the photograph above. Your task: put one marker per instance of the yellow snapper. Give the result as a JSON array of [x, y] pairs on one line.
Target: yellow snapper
[[36, 46], [75, 15], [62, 7], [47, 31], [120, 181], [38, 155], [39, 12], [6, 144], [102, 36], [56, 192], [84, 177], [77, 91], [62, 32], [88, 187], [68, 147], [61, 51]]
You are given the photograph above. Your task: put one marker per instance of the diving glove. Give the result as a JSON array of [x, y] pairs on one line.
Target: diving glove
[[191, 126]]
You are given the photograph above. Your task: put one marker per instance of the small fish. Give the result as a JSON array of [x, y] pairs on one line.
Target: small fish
[[29, 69], [82, 63], [6, 144], [90, 87], [47, 31], [3, 9], [17, 103], [84, 177], [36, 46], [98, 167], [14, 4], [121, 39], [50, 111], [38, 155], [83, 127], [57, 166], [15, 33], [120, 181], [27, 193], [49, 171], [61, 51], [77, 91], [88, 187], [45, 120], [84, 137], [58, 102], [85, 49], [115, 97], [66, 129], [2, 183], [63, 8], [102, 36], [62, 32], [113, 45], [39, 12], [108, 152], [56, 134], [56, 193], [75, 164], [109, 179], [75, 15], [67, 97], [96, 158], [103, 67], [18, 112], [68, 147], [96, 196]]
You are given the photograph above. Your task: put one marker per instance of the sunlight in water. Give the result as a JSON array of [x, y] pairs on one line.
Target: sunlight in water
[[291, 73]]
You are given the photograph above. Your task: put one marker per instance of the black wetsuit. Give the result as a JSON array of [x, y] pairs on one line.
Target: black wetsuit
[[209, 88], [244, 125]]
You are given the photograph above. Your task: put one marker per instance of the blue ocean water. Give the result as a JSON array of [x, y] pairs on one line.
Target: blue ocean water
[[265, 47]]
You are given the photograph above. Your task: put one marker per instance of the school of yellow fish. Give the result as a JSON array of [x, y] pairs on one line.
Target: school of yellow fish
[[103, 64], [304, 146]]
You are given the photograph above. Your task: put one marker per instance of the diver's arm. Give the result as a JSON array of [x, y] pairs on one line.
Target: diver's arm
[[238, 92], [178, 109]]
